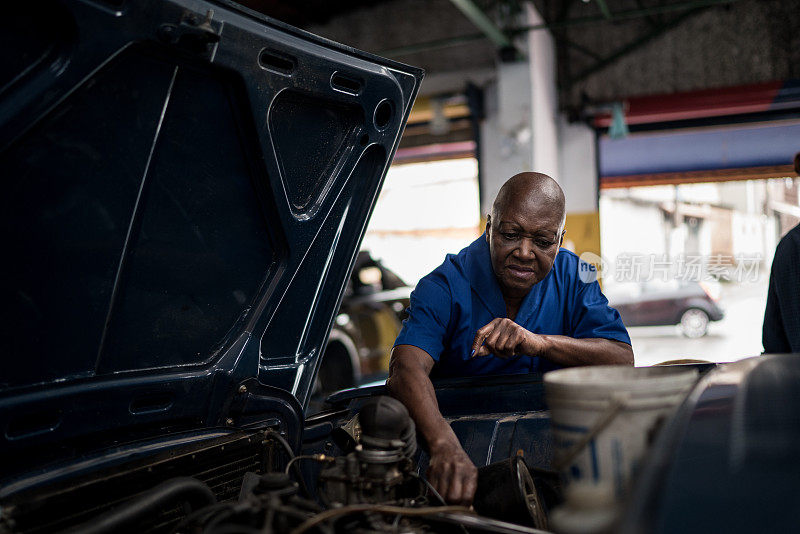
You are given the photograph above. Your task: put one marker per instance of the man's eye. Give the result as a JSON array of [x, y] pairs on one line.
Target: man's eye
[[510, 236], [541, 243]]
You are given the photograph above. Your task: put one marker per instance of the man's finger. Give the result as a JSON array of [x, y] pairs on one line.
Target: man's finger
[[469, 487], [491, 339], [480, 337], [483, 351], [513, 340], [454, 493], [477, 343], [503, 343], [485, 329], [489, 343], [433, 476], [443, 478]]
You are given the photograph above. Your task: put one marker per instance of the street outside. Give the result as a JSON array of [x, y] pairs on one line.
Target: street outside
[[736, 336]]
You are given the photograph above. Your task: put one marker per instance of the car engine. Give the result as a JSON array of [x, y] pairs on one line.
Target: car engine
[[371, 485]]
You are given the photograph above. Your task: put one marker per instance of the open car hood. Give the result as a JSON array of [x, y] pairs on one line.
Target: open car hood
[[187, 185]]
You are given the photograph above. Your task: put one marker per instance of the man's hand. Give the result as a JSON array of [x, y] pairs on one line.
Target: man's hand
[[450, 470], [452, 473], [505, 338]]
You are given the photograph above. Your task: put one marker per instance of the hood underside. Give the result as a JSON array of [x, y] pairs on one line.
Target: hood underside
[[187, 185]]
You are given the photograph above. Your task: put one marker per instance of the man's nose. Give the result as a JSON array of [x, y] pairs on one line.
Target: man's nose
[[525, 249]]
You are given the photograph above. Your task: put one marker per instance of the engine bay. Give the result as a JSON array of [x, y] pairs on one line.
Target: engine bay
[[254, 482]]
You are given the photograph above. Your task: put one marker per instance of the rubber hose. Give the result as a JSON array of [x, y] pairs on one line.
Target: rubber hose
[[173, 491]]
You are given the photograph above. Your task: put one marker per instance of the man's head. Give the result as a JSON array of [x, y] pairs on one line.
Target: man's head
[[525, 230]]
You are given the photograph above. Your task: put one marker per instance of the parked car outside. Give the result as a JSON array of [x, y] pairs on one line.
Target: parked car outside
[[689, 304]]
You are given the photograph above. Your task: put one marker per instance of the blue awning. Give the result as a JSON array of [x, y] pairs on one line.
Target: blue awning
[[701, 149]]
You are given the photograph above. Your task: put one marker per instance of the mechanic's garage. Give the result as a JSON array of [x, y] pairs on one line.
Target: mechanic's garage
[[410, 266]]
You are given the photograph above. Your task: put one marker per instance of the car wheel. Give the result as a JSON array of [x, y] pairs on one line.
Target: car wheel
[[335, 372], [694, 323], [338, 367]]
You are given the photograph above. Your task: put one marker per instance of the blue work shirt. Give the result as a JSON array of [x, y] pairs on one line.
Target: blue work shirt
[[462, 295]]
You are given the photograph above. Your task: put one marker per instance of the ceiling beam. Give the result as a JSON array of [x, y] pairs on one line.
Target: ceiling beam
[[627, 14], [555, 25], [586, 51], [482, 21], [436, 44], [604, 9]]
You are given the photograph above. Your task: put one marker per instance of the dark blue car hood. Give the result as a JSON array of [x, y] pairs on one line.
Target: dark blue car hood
[[186, 186]]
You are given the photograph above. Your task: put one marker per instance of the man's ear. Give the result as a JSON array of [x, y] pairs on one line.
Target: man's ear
[[488, 225], [561, 239]]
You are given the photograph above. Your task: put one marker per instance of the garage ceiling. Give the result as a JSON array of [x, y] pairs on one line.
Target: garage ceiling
[[605, 48]]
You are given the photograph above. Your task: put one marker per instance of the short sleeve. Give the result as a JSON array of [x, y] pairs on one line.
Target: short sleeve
[[428, 316], [594, 318]]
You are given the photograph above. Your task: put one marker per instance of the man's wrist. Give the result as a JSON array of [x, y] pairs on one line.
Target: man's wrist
[[541, 345], [444, 441]]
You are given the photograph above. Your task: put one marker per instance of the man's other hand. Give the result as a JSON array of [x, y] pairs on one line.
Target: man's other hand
[[452, 473], [505, 338]]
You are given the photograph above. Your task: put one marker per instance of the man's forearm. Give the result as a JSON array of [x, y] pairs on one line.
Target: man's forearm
[[569, 351], [414, 389], [450, 470]]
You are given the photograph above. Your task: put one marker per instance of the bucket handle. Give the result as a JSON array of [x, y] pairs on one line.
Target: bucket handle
[[617, 403]]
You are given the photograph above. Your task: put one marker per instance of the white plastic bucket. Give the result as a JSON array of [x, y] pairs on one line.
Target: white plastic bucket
[[631, 401]]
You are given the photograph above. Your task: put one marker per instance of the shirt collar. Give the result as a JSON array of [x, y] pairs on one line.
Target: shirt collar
[[478, 266], [481, 277]]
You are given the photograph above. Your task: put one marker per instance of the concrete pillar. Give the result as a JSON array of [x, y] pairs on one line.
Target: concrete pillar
[[578, 178], [523, 131], [520, 132]]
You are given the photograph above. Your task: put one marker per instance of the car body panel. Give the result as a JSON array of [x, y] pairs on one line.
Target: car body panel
[[727, 461], [189, 183]]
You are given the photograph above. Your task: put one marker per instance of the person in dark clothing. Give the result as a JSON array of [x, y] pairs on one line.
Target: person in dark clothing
[[781, 332]]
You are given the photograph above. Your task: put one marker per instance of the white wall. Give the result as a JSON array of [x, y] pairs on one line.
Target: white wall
[[628, 228], [748, 234]]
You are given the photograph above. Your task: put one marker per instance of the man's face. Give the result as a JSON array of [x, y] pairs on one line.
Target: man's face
[[523, 243]]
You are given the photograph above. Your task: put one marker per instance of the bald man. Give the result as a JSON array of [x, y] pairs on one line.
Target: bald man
[[511, 302]]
